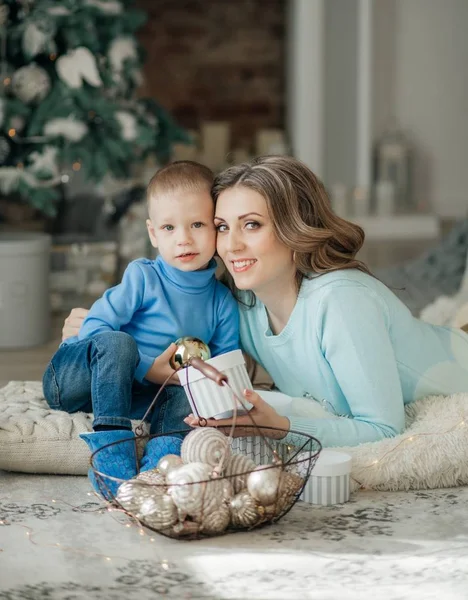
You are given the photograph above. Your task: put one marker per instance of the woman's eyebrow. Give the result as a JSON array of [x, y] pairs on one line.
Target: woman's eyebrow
[[249, 215], [240, 217]]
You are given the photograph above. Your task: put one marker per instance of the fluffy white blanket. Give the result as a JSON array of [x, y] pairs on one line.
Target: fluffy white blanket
[[431, 453]]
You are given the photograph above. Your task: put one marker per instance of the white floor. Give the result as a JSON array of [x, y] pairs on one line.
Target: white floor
[[58, 542]]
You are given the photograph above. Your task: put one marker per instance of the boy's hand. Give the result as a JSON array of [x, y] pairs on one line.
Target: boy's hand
[[73, 322], [160, 370]]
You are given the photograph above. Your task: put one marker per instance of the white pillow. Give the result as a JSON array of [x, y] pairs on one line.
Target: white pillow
[[36, 439]]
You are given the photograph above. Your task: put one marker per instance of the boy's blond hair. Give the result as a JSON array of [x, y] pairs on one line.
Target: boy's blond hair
[[181, 175]]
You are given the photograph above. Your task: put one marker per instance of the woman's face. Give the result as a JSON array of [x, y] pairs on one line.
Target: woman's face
[[247, 244]]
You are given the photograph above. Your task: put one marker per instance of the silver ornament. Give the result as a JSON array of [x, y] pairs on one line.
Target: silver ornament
[[263, 483], [189, 347], [206, 445], [244, 510], [155, 479], [131, 494], [30, 83], [192, 490], [216, 521], [237, 470], [158, 512], [167, 463]]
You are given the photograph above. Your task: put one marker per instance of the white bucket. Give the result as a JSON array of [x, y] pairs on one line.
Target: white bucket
[[24, 289], [329, 481], [207, 398]]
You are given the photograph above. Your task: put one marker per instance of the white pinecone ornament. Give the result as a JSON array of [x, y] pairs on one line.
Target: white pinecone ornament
[[205, 445]]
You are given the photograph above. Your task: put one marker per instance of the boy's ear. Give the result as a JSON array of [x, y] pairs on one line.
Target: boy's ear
[[151, 233]]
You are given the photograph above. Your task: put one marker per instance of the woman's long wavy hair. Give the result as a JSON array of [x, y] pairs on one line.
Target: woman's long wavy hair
[[301, 214]]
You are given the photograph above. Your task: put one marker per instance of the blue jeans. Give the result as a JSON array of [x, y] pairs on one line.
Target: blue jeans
[[97, 375]]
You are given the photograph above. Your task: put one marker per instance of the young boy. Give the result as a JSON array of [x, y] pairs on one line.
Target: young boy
[[116, 364]]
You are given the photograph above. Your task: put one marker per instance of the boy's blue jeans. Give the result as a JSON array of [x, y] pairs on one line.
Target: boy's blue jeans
[[97, 375]]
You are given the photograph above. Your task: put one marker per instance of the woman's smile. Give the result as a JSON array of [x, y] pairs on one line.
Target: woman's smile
[[242, 264]]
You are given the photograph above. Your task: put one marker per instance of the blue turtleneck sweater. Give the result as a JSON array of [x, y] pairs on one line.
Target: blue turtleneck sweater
[[156, 304]]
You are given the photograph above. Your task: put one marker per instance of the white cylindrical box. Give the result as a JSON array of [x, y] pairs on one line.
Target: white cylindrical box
[[207, 398], [329, 481], [24, 289], [254, 447]]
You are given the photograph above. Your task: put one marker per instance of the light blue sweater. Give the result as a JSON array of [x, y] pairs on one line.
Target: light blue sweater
[[156, 304], [352, 343]]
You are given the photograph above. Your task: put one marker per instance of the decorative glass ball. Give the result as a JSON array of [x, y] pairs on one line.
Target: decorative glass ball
[[31, 84], [189, 347], [206, 445], [263, 483], [168, 462]]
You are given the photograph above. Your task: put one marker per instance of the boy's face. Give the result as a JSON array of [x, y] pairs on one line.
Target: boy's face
[[181, 227]]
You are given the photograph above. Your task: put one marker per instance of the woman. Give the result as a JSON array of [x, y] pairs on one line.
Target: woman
[[314, 317]]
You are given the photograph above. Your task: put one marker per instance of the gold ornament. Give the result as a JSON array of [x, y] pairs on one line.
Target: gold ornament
[[237, 469], [154, 478], [167, 463], [189, 347], [205, 445], [263, 483], [228, 490], [158, 512], [289, 486], [216, 521], [192, 490], [274, 510], [290, 483], [186, 528], [244, 510], [131, 494]]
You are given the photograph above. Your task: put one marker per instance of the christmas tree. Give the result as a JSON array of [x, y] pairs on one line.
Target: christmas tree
[[69, 71]]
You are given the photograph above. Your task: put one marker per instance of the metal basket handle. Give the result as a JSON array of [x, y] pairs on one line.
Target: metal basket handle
[[197, 363]]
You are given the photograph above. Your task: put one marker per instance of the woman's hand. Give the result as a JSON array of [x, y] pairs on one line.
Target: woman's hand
[[261, 412], [73, 322]]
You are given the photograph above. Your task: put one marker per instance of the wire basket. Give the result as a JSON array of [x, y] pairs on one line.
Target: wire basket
[[219, 483]]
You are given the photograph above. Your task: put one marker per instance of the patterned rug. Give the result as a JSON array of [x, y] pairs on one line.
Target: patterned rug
[[58, 542]]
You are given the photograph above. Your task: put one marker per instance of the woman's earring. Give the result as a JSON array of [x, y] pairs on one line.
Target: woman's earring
[[294, 256]]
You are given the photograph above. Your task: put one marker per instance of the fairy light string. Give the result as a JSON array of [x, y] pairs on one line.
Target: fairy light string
[[31, 534], [411, 439]]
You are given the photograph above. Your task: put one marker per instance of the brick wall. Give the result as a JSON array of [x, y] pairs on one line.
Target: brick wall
[[217, 60]]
